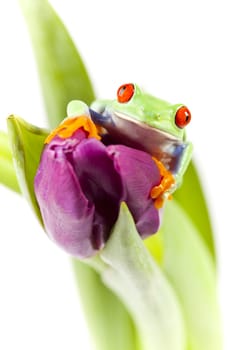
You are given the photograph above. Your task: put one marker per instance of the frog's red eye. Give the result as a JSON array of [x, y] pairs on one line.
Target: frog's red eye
[[183, 117], [125, 93]]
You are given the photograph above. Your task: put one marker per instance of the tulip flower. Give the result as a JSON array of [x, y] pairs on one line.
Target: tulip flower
[[81, 183]]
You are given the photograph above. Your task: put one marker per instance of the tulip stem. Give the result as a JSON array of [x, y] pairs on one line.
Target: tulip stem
[[132, 274]]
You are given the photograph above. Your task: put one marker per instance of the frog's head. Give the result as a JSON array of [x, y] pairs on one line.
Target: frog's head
[[133, 103]]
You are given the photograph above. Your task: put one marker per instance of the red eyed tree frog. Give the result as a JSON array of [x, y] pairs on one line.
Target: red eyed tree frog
[[144, 122]]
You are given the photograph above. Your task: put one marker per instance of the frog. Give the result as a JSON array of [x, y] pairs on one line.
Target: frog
[[142, 121]]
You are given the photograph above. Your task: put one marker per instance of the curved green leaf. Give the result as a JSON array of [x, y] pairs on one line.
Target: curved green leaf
[[5, 150], [27, 142], [7, 171], [188, 264], [130, 271], [191, 197], [62, 73]]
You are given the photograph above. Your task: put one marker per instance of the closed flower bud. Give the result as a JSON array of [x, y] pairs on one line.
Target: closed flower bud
[[81, 182]]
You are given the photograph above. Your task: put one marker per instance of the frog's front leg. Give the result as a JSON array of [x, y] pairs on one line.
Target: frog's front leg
[[78, 117], [170, 182], [183, 165]]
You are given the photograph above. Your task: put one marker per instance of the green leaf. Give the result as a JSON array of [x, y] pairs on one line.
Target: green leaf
[[155, 245], [191, 197], [190, 268], [132, 274], [62, 73], [7, 173], [27, 142], [110, 324]]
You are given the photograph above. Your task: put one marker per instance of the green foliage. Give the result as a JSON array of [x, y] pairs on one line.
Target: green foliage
[[191, 197], [7, 173], [189, 266], [131, 272], [61, 71], [27, 142]]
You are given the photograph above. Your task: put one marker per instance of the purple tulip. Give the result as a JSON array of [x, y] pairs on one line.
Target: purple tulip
[[80, 184]]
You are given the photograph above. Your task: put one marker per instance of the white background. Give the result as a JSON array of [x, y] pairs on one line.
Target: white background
[[177, 50]]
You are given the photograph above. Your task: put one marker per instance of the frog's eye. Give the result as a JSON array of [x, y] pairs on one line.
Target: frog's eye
[[183, 117], [125, 93]]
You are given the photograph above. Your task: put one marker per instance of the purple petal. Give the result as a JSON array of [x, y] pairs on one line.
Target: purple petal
[[67, 213], [67, 143], [101, 184], [139, 174]]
